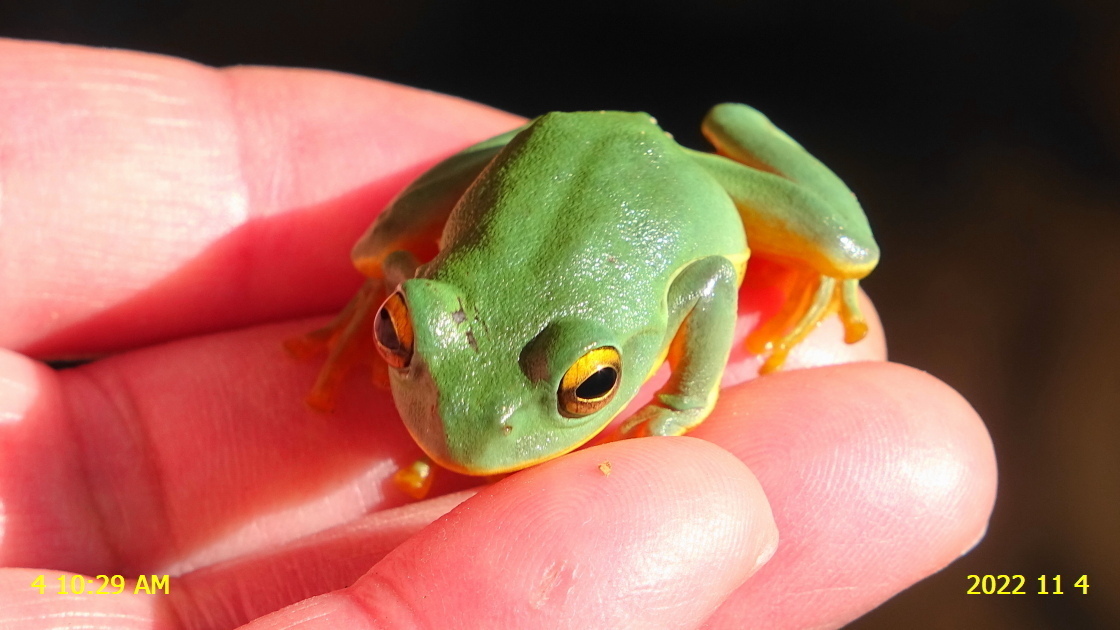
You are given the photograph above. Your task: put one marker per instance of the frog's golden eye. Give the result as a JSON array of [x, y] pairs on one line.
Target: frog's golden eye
[[591, 382], [392, 330]]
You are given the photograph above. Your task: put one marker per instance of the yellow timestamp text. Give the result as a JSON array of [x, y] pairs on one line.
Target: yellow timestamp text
[[102, 585], [1017, 585]]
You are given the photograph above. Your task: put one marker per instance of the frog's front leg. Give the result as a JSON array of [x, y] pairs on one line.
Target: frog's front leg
[[703, 301], [348, 337]]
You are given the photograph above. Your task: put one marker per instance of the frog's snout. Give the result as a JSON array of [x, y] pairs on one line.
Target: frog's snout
[[483, 444]]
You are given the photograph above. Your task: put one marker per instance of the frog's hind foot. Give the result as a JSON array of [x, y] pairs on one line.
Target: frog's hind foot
[[810, 299], [349, 340]]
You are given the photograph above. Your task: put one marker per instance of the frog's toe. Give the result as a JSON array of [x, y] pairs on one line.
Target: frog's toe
[[310, 344], [349, 340], [321, 398], [415, 480], [379, 375], [810, 301], [855, 325], [657, 419]]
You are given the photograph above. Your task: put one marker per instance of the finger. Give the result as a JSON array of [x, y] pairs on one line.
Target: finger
[[879, 475], [774, 410], [34, 599], [237, 591], [185, 454], [148, 198], [884, 476], [657, 543], [182, 455], [223, 596]]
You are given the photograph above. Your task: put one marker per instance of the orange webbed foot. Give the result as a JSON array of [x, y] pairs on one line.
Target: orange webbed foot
[[348, 339], [810, 298]]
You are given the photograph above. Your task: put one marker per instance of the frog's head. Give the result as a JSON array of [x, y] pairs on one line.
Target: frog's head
[[483, 397]]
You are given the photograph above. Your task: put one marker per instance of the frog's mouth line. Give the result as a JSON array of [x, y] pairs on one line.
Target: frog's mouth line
[[521, 465]]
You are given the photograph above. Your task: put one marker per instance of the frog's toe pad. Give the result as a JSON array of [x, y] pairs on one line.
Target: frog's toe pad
[[320, 399], [306, 346], [415, 480], [656, 419]]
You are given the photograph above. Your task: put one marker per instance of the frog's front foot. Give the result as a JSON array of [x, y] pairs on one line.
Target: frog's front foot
[[348, 339], [668, 415], [415, 480]]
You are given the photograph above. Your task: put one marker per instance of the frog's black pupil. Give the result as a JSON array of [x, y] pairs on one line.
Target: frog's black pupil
[[598, 384], [384, 331]]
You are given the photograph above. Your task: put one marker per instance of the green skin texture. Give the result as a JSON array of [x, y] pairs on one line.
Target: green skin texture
[[583, 230]]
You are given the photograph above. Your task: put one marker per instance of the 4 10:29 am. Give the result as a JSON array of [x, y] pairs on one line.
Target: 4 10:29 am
[[104, 584]]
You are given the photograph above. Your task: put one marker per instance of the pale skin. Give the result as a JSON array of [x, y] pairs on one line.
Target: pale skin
[[146, 200]]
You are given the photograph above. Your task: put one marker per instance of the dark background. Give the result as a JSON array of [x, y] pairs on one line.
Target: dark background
[[983, 138]]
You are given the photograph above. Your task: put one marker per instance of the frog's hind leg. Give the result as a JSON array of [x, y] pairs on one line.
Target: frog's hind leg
[[348, 339], [703, 303], [797, 211]]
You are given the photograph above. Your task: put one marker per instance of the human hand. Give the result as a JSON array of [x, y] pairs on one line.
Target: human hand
[[182, 218]]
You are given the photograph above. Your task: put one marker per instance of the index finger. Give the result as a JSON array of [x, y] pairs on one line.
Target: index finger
[[145, 198]]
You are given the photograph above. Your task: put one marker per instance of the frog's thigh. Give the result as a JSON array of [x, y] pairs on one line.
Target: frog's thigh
[[745, 135], [788, 220], [703, 301]]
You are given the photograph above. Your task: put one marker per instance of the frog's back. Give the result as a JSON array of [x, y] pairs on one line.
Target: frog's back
[[602, 199]]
